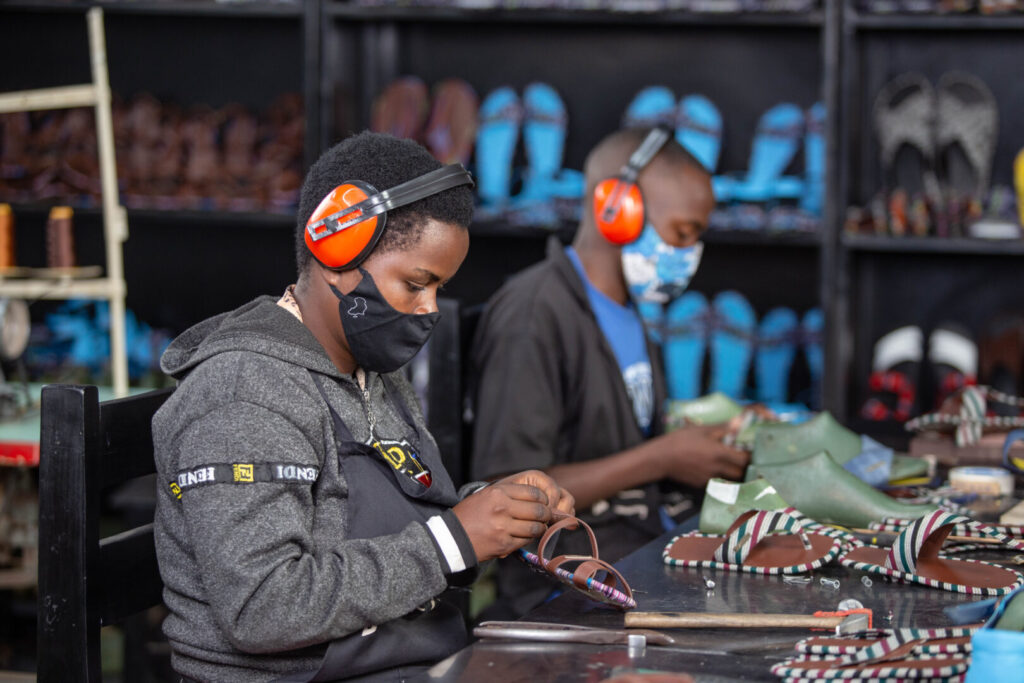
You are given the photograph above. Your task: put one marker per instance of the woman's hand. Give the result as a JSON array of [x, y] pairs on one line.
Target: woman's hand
[[507, 514]]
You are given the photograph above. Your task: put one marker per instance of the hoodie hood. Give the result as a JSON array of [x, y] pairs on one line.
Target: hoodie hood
[[260, 326]]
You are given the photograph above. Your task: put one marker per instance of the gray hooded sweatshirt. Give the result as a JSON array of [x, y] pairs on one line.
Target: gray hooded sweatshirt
[[259, 570]]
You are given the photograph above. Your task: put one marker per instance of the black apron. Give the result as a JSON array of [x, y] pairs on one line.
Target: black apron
[[383, 500]]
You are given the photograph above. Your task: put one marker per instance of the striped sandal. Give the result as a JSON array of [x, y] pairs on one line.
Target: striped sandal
[[766, 542], [930, 641], [611, 589], [970, 529], [890, 658], [914, 558]]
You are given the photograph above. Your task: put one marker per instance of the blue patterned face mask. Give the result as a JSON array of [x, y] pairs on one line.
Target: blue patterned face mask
[[655, 271]]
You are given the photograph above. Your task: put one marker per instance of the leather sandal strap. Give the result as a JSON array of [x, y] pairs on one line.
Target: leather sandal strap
[[563, 523]]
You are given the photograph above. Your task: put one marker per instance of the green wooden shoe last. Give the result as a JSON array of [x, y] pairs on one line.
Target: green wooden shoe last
[[822, 490], [777, 443], [724, 501]]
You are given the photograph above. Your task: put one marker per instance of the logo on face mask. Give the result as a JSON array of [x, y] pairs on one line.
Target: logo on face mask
[[358, 307], [654, 270], [380, 338]]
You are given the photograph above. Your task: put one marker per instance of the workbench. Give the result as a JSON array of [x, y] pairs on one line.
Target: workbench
[[707, 655]]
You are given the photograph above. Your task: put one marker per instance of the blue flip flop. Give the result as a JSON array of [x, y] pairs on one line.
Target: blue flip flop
[[699, 129], [497, 134], [685, 339], [732, 343], [544, 123], [813, 331], [776, 349], [814, 160], [776, 142], [653, 106]]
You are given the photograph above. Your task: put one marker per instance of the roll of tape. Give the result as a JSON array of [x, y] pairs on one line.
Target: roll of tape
[[987, 481]]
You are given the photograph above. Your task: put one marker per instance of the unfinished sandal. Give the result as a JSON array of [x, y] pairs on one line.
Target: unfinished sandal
[[895, 371], [758, 542], [966, 414], [890, 658], [451, 128], [953, 357], [401, 108], [914, 558], [967, 128], [611, 589], [904, 115], [969, 530], [931, 641]]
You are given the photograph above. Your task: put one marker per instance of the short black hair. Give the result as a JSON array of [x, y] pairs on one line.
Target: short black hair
[[383, 161]]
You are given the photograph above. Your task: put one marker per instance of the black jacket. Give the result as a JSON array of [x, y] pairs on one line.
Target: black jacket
[[548, 390]]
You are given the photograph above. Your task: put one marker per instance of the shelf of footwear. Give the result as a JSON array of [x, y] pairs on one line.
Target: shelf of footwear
[[933, 245], [252, 219], [256, 8], [355, 12], [935, 22]]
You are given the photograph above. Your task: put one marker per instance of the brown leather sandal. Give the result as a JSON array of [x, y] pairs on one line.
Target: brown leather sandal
[[611, 590]]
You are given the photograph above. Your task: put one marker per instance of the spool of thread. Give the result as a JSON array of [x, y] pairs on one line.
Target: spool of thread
[[6, 237], [60, 239], [986, 481]]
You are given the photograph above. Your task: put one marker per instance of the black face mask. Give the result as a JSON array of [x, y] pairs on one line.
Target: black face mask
[[380, 338]]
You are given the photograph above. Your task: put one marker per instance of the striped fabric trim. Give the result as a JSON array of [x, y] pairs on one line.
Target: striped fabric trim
[[903, 554], [970, 530], [737, 545], [933, 583], [971, 420], [847, 645], [840, 540], [869, 662]]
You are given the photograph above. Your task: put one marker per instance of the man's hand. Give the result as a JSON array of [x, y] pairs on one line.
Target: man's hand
[[692, 455], [507, 514]]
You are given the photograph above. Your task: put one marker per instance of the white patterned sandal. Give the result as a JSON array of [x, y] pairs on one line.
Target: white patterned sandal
[[889, 658], [914, 557], [933, 641], [766, 542]]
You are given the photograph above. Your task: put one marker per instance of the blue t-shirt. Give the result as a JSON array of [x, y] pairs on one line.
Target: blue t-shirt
[[624, 331]]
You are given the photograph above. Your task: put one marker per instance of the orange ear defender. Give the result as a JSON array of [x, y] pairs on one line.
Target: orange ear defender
[[347, 224], [618, 202]]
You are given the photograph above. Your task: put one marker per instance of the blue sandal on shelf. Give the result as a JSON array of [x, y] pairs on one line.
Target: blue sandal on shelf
[[813, 198], [685, 340], [653, 106], [699, 129], [776, 349], [812, 329], [497, 134], [776, 142], [732, 343]]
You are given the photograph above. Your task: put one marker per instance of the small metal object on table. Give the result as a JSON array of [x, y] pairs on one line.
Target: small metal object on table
[[707, 654]]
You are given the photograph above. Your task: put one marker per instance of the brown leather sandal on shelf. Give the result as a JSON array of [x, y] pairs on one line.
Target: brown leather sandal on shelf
[[612, 589]]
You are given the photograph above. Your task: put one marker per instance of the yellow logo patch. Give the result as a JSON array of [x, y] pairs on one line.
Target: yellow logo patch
[[242, 472], [176, 490]]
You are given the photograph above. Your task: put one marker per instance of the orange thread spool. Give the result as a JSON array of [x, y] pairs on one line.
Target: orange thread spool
[[6, 237]]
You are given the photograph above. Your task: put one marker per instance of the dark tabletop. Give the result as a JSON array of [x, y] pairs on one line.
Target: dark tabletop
[[708, 654]]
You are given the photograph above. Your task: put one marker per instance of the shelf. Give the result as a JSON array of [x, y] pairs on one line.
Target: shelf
[[230, 218], [61, 287], [933, 245], [580, 16], [935, 22], [199, 8], [763, 238]]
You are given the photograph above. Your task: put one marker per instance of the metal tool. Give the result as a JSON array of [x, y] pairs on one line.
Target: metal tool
[[844, 625], [569, 633]]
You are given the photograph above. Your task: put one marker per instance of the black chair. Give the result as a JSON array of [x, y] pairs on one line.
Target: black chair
[[85, 582]]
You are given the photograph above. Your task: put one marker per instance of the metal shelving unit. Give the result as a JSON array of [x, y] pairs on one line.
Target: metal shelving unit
[[111, 286]]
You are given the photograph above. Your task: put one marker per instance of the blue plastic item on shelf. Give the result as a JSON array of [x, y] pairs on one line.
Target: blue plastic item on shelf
[[699, 129], [685, 340], [776, 349], [732, 343]]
